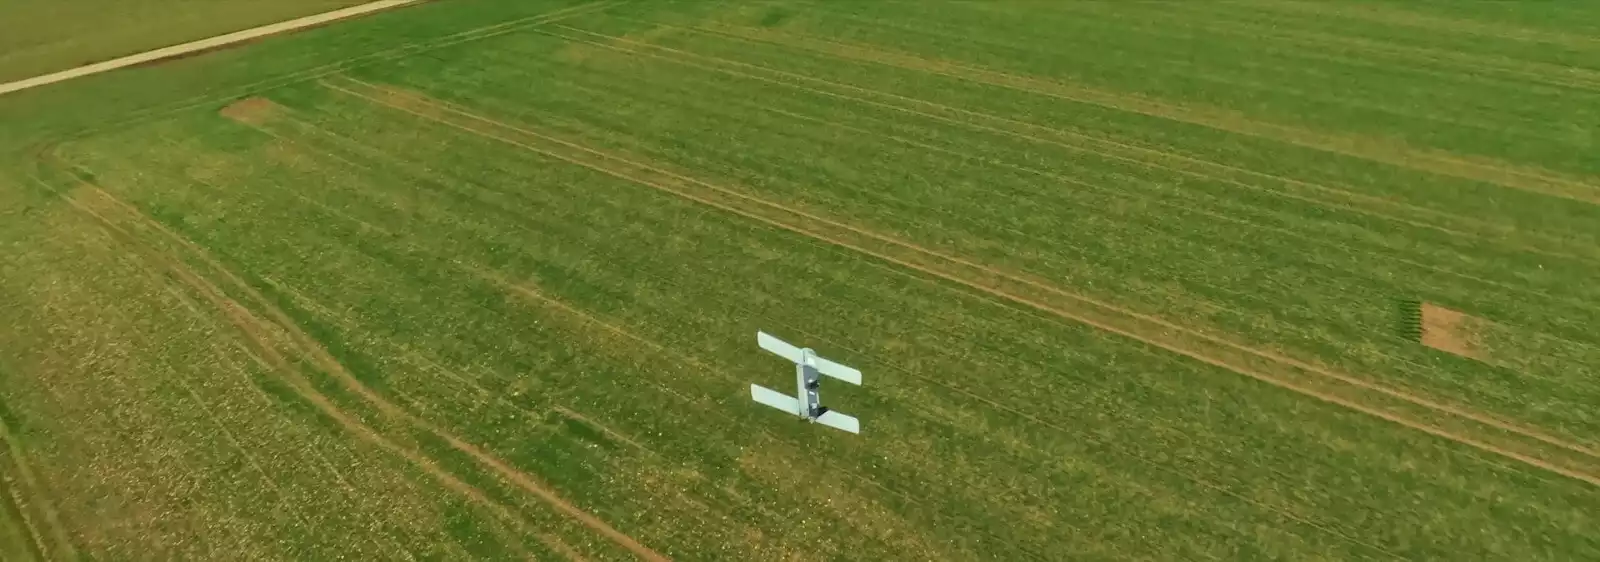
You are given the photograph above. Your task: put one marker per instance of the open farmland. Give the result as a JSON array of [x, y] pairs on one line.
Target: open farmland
[[479, 279]]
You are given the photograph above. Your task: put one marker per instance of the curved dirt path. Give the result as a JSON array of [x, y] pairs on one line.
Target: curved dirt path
[[202, 45]]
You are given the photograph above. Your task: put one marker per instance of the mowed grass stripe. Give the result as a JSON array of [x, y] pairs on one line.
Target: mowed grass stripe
[[1305, 165], [871, 54], [1404, 59], [1116, 197], [1453, 157]]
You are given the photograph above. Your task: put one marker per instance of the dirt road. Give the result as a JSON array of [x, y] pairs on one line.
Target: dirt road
[[202, 45]]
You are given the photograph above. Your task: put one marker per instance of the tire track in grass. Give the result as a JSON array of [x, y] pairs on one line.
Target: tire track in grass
[[532, 295], [537, 297], [265, 402], [1320, 526], [1465, 65], [1394, 393], [277, 321], [1155, 331], [38, 543], [1181, 207], [258, 341], [408, 354], [1426, 22], [1149, 154], [1457, 65], [1504, 174], [543, 299], [423, 363]]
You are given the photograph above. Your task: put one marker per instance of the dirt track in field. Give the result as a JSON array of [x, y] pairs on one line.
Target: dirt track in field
[[202, 45]]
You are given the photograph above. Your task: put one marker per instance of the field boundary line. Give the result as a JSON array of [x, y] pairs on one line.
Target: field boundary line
[[990, 288], [1156, 153], [304, 344], [1394, 393], [208, 44], [1426, 159]]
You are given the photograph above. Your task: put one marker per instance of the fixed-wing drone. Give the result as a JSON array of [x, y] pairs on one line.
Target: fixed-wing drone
[[808, 370]]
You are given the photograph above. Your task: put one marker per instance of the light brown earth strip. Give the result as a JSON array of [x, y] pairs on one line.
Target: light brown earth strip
[[202, 45]]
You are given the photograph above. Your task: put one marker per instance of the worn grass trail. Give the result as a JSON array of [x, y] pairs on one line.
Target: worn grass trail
[[494, 298]]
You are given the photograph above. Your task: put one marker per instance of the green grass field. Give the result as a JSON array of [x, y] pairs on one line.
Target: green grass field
[[479, 279]]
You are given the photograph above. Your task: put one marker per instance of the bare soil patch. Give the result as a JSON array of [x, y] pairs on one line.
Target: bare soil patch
[[252, 110], [1450, 331]]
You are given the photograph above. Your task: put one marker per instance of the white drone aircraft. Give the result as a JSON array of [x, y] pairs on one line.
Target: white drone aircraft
[[808, 370]]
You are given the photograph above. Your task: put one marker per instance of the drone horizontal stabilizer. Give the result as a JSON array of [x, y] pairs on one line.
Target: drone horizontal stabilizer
[[775, 399], [835, 370], [778, 347], [840, 421]]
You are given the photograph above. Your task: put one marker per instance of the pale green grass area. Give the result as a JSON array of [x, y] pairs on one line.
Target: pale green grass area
[[1121, 289], [43, 36]]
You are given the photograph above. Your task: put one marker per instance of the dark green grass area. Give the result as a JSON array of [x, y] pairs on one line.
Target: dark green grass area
[[516, 289]]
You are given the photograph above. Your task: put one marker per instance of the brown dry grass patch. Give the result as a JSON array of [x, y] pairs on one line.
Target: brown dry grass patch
[[254, 110], [1451, 331]]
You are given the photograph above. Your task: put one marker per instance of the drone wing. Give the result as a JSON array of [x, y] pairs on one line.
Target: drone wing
[[778, 347], [775, 399], [840, 421], [835, 370]]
